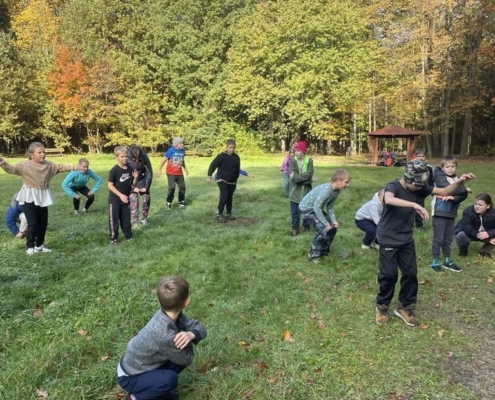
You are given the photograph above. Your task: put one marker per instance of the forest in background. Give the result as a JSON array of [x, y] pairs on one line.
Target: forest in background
[[87, 75]]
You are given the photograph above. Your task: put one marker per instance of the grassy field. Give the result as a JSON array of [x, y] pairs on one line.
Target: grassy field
[[278, 326]]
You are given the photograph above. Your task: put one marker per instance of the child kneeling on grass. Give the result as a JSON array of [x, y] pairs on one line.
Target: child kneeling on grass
[[154, 357], [317, 210], [395, 235]]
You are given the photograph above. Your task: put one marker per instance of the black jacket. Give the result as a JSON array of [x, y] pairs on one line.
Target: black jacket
[[471, 221]]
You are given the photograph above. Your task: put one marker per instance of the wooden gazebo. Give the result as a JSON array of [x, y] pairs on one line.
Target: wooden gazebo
[[392, 132]]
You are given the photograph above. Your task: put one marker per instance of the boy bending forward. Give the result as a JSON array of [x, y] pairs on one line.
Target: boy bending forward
[[394, 233], [154, 357]]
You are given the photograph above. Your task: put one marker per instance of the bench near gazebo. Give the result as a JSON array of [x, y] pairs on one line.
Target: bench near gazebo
[[392, 132]]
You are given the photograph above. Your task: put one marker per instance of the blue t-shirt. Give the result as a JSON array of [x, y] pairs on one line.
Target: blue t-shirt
[[175, 159]]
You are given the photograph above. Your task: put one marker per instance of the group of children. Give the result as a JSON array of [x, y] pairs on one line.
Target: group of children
[[163, 348], [388, 220]]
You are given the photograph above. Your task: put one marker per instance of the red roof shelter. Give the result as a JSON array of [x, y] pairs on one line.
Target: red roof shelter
[[391, 132]]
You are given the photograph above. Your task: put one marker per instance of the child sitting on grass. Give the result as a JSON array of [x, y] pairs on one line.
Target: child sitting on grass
[[15, 215], [367, 218], [154, 357], [75, 183], [317, 210]]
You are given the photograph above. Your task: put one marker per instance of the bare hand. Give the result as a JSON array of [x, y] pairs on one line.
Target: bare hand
[[482, 235], [467, 177], [20, 235], [328, 227], [182, 339], [421, 211], [208, 179], [158, 173], [124, 199], [135, 173], [447, 198], [90, 193], [77, 196], [335, 224]]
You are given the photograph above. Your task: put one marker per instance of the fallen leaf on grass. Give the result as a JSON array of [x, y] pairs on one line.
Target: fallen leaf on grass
[[82, 332], [271, 381], [38, 312], [104, 358], [425, 282], [244, 344], [490, 279], [423, 326], [449, 354], [264, 312], [304, 279], [441, 332], [287, 337], [42, 394], [320, 325], [209, 365]]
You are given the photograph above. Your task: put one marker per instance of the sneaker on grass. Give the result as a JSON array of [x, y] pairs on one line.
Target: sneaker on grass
[[407, 314], [76, 212], [221, 219], [41, 249], [435, 265], [229, 217], [30, 251], [451, 266], [381, 314]]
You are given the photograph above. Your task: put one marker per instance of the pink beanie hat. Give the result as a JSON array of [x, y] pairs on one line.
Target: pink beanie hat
[[300, 146]]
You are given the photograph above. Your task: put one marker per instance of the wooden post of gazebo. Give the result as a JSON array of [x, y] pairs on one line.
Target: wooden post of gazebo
[[392, 132]]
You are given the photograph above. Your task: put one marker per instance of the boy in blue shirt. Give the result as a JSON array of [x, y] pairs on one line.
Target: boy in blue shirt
[[176, 167], [75, 183]]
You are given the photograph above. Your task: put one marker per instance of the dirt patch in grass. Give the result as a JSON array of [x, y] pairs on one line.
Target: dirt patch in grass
[[242, 221], [476, 372]]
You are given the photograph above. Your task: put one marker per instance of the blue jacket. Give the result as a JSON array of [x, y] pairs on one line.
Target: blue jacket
[[12, 216], [76, 180]]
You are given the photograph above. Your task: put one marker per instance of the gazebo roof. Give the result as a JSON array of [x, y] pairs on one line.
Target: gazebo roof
[[394, 131]]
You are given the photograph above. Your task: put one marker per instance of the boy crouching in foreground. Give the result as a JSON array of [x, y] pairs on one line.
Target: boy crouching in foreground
[[154, 358], [395, 235]]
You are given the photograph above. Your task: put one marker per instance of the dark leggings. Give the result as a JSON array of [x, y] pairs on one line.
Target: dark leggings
[[37, 218], [84, 191], [226, 195], [181, 183]]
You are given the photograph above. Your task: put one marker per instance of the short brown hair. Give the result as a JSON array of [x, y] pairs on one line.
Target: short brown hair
[[172, 293], [447, 159], [83, 160], [340, 175]]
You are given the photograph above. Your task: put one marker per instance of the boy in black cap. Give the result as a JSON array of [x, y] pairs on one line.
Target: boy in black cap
[[394, 233]]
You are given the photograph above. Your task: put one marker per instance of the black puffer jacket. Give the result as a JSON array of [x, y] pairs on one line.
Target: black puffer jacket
[[471, 221]]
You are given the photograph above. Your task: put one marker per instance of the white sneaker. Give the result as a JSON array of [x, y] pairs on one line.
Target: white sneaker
[[30, 251], [136, 225], [364, 247], [144, 222], [84, 211], [41, 249], [375, 246], [76, 212]]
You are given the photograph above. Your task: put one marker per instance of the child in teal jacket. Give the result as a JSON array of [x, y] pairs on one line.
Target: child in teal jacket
[[75, 183]]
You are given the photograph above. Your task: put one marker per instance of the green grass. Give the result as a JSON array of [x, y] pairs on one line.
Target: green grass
[[66, 316]]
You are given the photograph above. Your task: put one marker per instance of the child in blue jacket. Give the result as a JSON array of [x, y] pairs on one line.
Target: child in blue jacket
[[15, 214], [75, 183]]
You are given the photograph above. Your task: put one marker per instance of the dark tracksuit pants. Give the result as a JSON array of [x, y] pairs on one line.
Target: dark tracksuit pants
[[119, 214], [443, 234], [37, 219], [369, 228], [226, 195], [90, 199], [152, 385], [320, 246], [393, 259], [181, 183]]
